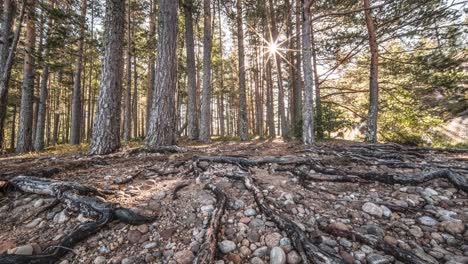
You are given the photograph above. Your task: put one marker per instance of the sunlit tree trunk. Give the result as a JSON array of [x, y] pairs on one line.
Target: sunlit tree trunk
[[243, 120], [76, 118], [128, 87], [205, 117], [318, 105], [308, 107], [24, 141], [106, 136], [192, 113], [163, 113], [374, 83]]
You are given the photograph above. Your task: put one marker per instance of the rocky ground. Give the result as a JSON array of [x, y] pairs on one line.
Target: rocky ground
[[428, 219]]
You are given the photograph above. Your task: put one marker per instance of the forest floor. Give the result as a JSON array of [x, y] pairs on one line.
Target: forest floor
[[339, 201]]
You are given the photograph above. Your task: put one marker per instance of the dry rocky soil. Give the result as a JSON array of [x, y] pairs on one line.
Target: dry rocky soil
[[354, 203]]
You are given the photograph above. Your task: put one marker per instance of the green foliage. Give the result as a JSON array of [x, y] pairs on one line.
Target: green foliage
[[333, 119]]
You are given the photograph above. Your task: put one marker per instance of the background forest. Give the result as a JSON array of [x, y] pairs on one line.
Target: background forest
[[420, 51]]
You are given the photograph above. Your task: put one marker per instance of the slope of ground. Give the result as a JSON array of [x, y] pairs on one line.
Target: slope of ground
[[332, 192]]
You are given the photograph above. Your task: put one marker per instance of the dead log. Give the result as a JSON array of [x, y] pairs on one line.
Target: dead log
[[208, 249], [305, 247], [76, 198]]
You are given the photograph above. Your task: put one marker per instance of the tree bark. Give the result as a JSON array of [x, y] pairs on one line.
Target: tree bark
[[128, 89], [151, 61], [205, 117], [41, 115], [243, 120], [106, 137], [308, 107], [283, 125], [270, 108], [318, 103], [192, 118], [7, 55], [76, 114], [374, 83], [297, 93], [135, 97], [24, 142], [162, 122]]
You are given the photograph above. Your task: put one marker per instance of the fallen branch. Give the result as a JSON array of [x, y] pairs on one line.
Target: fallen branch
[[207, 252]]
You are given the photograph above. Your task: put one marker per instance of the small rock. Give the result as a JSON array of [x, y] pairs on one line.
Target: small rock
[[256, 260], [372, 209], [143, 228], [391, 240], [385, 211], [207, 208], [256, 223], [416, 231], [338, 226], [226, 246], [345, 243], [184, 257], [277, 256], [150, 245], [294, 257], [260, 252], [99, 260], [250, 212], [33, 223], [238, 204], [427, 220], [272, 240], [22, 250], [453, 227], [429, 192], [61, 217], [38, 203], [127, 261], [134, 236], [377, 259]]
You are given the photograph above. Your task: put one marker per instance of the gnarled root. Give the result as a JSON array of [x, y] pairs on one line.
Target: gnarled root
[[207, 252], [307, 250], [74, 196]]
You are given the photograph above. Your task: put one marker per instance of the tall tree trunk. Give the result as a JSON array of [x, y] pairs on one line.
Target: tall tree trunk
[[374, 83], [270, 109], [76, 101], [128, 88], [205, 117], [243, 120], [106, 137], [24, 142], [151, 60], [318, 103], [258, 101], [13, 129], [7, 55], [55, 132], [274, 39], [90, 84], [162, 122], [297, 93], [41, 115], [308, 106], [135, 98], [192, 118]]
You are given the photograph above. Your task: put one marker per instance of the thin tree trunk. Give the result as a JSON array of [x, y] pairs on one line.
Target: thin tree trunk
[[135, 98], [41, 115], [243, 120], [90, 84], [128, 88], [24, 142], [274, 39], [151, 60], [13, 129], [7, 55], [308, 107], [205, 117], [318, 104], [76, 101], [374, 83], [270, 110], [192, 119], [106, 136], [162, 122], [297, 93]]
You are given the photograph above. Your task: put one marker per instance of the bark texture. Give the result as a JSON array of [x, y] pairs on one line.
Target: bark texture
[[76, 100], [205, 117], [243, 120], [106, 129], [161, 131], [371, 135], [151, 60], [24, 141], [307, 107]]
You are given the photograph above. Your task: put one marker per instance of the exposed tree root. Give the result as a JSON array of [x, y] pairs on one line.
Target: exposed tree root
[[74, 195], [160, 149], [458, 181], [179, 187], [207, 251], [400, 254], [307, 250]]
